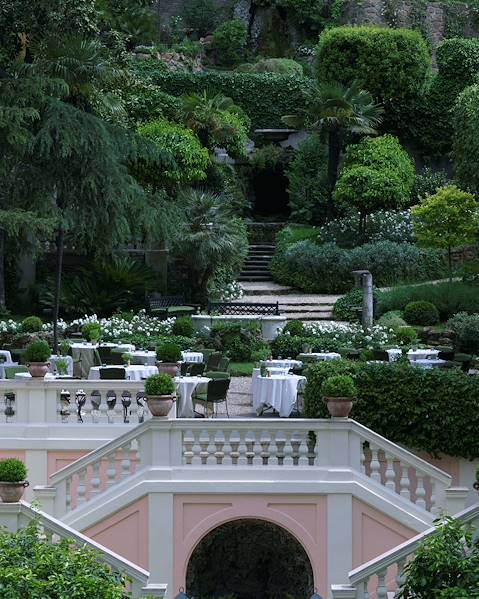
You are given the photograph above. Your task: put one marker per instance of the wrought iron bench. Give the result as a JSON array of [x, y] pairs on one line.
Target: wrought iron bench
[[170, 305], [243, 309]]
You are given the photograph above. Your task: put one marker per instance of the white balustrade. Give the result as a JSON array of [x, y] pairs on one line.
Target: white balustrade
[[72, 401], [385, 574]]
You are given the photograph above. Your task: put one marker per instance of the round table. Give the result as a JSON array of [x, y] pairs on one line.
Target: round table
[[321, 356], [277, 391], [53, 359], [185, 386], [140, 356], [135, 372], [428, 363], [192, 356], [84, 355], [277, 370], [282, 363], [422, 354]]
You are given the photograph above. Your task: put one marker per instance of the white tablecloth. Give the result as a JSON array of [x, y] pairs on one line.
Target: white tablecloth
[[283, 363], [277, 370], [6, 354], [185, 385], [191, 356], [278, 391], [27, 375], [323, 356], [136, 372], [422, 354], [125, 347], [4, 365], [143, 357], [394, 354], [427, 363], [53, 364]]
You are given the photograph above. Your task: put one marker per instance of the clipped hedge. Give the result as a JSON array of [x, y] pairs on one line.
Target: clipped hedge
[[265, 97], [466, 140], [430, 410], [327, 268]]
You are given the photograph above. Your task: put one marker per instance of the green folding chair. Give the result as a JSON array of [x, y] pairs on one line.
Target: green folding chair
[[216, 393], [11, 371], [217, 374]]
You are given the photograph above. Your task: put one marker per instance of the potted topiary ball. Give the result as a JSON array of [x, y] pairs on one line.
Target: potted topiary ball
[[339, 392], [160, 394], [168, 357], [12, 480], [91, 331], [36, 357]]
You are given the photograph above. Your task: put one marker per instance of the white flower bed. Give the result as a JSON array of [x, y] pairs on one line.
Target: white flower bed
[[352, 334]]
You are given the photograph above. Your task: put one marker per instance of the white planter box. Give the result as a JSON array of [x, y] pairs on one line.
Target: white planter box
[[270, 325]]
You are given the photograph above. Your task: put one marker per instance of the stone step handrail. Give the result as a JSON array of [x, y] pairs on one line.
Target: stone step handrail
[[42, 401], [384, 574], [17, 515], [300, 444]]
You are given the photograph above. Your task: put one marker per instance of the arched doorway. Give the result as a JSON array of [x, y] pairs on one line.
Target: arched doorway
[[249, 559]]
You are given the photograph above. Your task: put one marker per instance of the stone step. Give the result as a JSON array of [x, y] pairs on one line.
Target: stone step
[[255, 270], [259, 278], [253, 290], [299, 309], [307, 315], [262, 246]]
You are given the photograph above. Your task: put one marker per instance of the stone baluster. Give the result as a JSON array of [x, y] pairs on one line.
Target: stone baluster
[[404, 483], [311, 445], [111, 470], [68, 493], [381, 590], [375, 465], [126, 461], [234, 445], [420, 491], [400, 578], [280, 448], [250, 442], [265, 453], [219, 449], [188, 443], [204, 441], [81, 489], [95, 479], [295, 446], [390, 474]]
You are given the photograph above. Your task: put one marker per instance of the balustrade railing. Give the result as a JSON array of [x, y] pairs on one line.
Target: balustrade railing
[[297, 445], [70, 401], [381, 577]]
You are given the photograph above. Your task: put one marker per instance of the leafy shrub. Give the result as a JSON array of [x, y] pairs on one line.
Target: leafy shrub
[[294, 327], [449, 298], [31, 324], [340, 385], [64, 347], [421, 313], [287, 346], [184, 147], [428, 182], [159, 384], [12, 470], [407, 405], [265, 97], [466, 142], [152, 341], [377, 173], [32, 566], [327, 268], [238, 340], [184, 327], [229, 43], [168, 352], [282, 66], [392, 64], [406, 336], [344, 307], [200, 15], [307, 181], [466, 329], [91, 331], [144, 102], [382, 225], [392, 320], [37, 351]]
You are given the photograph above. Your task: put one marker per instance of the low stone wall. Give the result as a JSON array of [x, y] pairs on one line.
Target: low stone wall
[[270, 325]]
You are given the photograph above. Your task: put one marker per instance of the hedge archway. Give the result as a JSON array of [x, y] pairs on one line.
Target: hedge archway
[[249, 559]]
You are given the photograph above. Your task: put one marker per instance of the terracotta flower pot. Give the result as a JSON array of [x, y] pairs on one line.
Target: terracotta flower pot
[[339, 407], [160, 405], [12, 492], [169, 368], [38, 369]]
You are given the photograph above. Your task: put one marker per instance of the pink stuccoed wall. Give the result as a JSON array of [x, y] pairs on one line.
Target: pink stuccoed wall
[[125, 532], [59, 459], [19, 454], [304, 517]]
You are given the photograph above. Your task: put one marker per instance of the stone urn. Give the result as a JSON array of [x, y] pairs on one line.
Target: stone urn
[[169, 368], [38, 370], [12, 492], [339, 407], [160, 405]]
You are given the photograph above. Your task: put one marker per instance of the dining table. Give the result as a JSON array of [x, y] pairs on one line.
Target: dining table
[[320, 356], [282, 363], [192, 356], [83, 354], [134, 372], [185, 387], [142, 356], [278, 391]]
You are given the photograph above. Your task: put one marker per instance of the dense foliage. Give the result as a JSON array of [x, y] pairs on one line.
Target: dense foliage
[[466, 140], [339, 385], [159, 384], [348, 307], [466, 329], [392, 64], [412, 406], [421, 313], [265, 97], [327, 268], [37, 351], [12, 470], [229, 43], [238, 341]]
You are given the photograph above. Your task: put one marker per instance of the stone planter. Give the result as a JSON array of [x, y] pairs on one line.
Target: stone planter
[[12, 492], [339, 407], [160, 405], [38, 369], [169, 368]]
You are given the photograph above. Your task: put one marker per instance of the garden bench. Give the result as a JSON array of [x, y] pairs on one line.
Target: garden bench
[[243, 309], [170, 305]]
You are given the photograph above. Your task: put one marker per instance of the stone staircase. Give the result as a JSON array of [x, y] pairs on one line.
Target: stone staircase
[[256, 267]]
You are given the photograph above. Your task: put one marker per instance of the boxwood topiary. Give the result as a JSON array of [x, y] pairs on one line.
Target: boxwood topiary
[[12, 470], [421, 313], [184, 327], [168, 352], [91, 331], [37, 351], [339, 385], [31, 324], [406, 335], [294, 327], [159, 384]]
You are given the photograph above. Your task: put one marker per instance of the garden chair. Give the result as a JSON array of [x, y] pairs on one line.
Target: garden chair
[[109, 357], [196, 369], [224, 363], [213, 362], [11, 371], [217, 374], [206, 354], [216, 393], [110, 374], [184, 367]]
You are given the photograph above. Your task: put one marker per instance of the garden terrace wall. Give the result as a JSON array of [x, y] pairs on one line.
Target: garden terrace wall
[[265, 97]]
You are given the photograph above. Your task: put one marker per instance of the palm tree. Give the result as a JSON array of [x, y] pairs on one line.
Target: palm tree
[[208, 238], [335, 110]]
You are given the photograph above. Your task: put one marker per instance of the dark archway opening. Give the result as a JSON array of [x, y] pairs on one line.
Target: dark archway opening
[[249, 559], [271, 198]]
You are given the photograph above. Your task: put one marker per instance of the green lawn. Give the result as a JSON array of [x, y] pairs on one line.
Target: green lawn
[[241, 368]]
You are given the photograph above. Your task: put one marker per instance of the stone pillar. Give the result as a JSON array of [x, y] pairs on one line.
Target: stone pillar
[[161, 543], [340, 537], [364, 279]]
